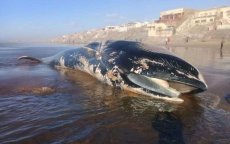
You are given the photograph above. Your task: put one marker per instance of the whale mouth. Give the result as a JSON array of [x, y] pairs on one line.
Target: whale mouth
[[165, 87], [153, 85]]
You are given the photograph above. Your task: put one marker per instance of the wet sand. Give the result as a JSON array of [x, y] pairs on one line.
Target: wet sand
[[39, 104]]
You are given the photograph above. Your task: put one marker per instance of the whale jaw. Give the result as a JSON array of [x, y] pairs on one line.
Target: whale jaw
[[153, 85], [165, 89]]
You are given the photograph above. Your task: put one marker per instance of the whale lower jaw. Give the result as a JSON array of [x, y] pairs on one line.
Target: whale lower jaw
[[156, 96], [153, 85], [159, 88]]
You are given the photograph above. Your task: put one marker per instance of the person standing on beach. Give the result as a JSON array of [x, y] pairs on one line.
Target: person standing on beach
[[222, 43], [221, 47], [167, 40], [187, 39]]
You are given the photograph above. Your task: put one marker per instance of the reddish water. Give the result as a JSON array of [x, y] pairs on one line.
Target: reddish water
[[39, 104]]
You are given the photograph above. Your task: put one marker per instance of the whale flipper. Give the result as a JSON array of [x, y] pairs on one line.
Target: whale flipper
[[30, 58]]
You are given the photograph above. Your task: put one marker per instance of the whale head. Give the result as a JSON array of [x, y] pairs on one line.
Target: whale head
[[150, 70]]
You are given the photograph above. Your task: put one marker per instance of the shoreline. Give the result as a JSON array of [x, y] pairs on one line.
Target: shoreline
[[212, 43]]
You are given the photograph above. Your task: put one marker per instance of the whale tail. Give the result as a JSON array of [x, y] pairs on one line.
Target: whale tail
[[32, 59]]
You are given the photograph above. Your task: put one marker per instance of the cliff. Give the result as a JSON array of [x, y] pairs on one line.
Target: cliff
[[206, 25]]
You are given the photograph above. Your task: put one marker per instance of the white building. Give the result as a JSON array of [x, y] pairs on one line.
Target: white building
[[122, 28], [111, 28], [217, 16], [132, 25], [160, 29], [174, 16]]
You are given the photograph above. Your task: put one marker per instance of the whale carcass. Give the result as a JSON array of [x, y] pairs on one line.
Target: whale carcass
[[132, 66]]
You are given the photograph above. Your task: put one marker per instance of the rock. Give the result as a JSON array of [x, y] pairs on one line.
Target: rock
[[36, 90]]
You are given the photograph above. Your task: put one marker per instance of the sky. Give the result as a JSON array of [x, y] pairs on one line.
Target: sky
[[38, 20]]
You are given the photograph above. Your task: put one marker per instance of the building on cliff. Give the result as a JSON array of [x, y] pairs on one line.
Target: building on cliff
[[216, 18], [180, 22], [160, 30], [175, 17], [169, 20], [132, 25]]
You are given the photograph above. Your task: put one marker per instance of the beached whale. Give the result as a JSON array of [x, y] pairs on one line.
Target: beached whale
[[132, 66]]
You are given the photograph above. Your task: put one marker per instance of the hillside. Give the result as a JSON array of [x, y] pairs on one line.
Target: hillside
[[177, 24]]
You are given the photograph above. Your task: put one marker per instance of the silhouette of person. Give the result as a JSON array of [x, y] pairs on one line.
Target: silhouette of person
[[222, 43], [187, 39], [167, 41], [221, 47], [221, 53]]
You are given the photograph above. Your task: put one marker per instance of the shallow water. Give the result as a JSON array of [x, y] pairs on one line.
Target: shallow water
[[39, 104]]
